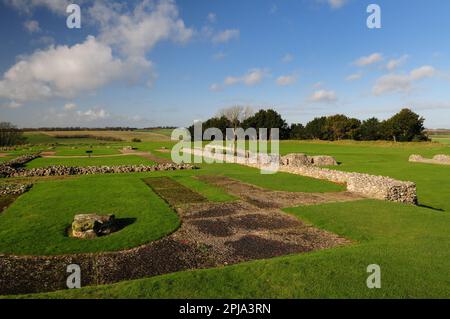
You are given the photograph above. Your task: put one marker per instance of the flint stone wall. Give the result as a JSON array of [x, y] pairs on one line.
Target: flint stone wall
[[371, 186], [71, 170], [437, 159], [14, 189]]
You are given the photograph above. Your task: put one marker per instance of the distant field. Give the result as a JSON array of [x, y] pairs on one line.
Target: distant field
[[81, 151], [162, 131], [126, 136], [444, 139]]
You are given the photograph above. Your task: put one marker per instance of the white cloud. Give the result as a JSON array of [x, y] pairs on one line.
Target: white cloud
[[395, 63], [61, 71], [285, 80], [392, 83], [334, 4], [32, 26], [70, 106], [252, 77], [120, 51], [27, 6], [212, 17], [368, 60], [287, 58], [93, 114], [136, 32], [323, 96], [354, 77], [225, 36]]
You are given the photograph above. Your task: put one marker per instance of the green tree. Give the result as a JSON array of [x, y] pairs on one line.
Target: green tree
[[371, 130], [316, 129], [405, 126], [268, 119], [297, 132]]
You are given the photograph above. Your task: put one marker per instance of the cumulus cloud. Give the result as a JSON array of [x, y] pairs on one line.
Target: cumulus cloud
[[61, 71], [285, 80], [368, 60], [392, 83], [395, 63], [93, 114], [323, 96], [120, 51], [334, 4], [136, 32], [252, 77], [27, 6], [225, 36], [32, 26]]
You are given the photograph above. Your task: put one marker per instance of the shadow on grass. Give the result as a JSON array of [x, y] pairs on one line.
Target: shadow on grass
[[430, 207]]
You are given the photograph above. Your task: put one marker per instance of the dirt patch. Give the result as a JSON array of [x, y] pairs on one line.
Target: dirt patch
[[264, 198], [263, 222], [254, 247], [48, 153], [173, 192], [218, 228], [4, 154], [6, 201]]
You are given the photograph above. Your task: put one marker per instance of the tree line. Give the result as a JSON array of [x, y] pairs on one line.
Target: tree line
[[402, 127]]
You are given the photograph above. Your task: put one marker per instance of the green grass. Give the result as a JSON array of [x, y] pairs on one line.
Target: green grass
[[211, 192], [410, 243], [41, 138], [93, 161], [444, 139], [81, 151], [36, 222]]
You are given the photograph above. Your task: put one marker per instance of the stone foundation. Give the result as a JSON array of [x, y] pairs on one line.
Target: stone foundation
[[437, 159], [70, 170], [371, 186]]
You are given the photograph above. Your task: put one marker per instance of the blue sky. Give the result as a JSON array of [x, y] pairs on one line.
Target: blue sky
[[146, 63]]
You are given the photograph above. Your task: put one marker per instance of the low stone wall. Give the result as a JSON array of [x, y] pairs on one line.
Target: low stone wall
[[14, 189], [21, 160], [300, 159], [371, 186], [437, 159], [71, 170]]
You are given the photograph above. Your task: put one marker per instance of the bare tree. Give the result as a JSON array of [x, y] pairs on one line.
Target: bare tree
[[10, 135], [236, 115]]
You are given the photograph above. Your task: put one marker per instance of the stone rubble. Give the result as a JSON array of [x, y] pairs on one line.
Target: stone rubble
[[89, 226], [371, 186], [437, 159], [88, 170], [14, 189]]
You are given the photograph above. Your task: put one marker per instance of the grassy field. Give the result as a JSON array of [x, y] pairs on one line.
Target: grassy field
[[444, 139], [410, 243], [93, 161]]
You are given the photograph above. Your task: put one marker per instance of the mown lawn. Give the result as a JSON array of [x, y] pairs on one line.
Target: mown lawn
[[93, 161], [81, 151], [410, 243], [36, 222]]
